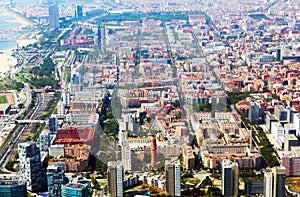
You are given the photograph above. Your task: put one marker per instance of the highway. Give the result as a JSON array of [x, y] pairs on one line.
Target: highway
[[14, 137]]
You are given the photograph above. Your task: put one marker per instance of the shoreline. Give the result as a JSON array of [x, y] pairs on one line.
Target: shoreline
[[18, 19], [7, 61]]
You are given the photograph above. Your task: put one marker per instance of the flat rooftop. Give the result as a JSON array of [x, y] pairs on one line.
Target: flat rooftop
[[10, 182], [76, 185], [291, 137]]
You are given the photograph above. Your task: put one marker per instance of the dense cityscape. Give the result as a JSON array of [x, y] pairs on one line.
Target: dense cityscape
[[149, 98]]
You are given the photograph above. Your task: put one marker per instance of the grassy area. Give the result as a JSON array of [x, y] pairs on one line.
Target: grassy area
[[267, 149], [194, 181], [39, 76], [6, 83], [137, 188], [293, 183], [3, 99]]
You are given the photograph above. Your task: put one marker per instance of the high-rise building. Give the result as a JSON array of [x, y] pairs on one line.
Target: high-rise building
[[55, 179], [268, 184], [115, 179], [30, 166], [253, 114], [53, 17], [126, 156], [78, 11], [230, 178], [278, 181], [274, 182], [172, 174], [44, 140], [53, 123], [75, 190], [13, 188]]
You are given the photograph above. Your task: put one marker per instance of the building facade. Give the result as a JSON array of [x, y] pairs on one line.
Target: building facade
[[44, 140], [254, 187], [115, 179], [268, 184], [75, 190], [253, 113], [55, 179], [274, 182], [53, 17], [230, 178], [172, 174], [13, 188], [30, 167], [79, 11], [279, 174]]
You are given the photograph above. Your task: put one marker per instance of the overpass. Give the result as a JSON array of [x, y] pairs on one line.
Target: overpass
[[28, 121]]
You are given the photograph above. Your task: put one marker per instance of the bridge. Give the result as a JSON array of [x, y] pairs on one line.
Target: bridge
[[28, 121]]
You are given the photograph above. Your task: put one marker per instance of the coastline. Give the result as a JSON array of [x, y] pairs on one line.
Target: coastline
[[7, 61], [18, 19]]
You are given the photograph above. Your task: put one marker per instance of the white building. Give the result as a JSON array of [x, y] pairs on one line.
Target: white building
[[91, 119], [44, 140], [268, 184], [297, 123], [30, 167], [60, 109], [277, 131], [57, 150]]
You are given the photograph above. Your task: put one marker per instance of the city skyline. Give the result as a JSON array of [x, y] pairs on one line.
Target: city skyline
[[129, 98]]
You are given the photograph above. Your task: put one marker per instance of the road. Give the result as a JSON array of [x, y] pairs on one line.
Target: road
[[14, 137]]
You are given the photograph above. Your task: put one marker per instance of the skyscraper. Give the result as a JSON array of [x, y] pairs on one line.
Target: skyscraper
[[278, 181], [274, 182], [253, 114], [78, 11], [53, 17], [30, 167], [268, 184], [115, 179], [55, 179], [230, 178], [172, 174], [13, 188]]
